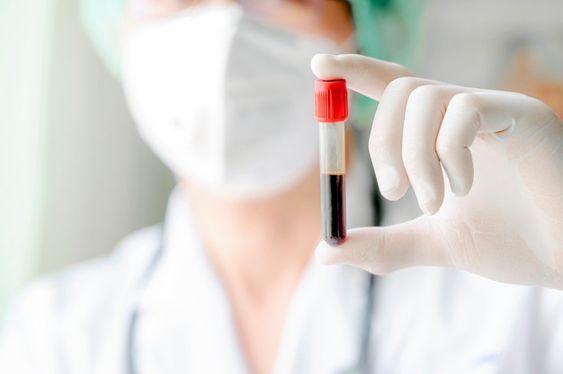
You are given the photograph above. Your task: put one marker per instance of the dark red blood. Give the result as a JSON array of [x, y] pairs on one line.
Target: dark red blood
[[333, 204]]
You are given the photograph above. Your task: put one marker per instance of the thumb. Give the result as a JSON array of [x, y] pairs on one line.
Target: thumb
[[380, 250], [364, 75]]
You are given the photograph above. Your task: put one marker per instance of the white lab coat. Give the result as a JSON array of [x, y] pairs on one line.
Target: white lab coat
[[426, 320]]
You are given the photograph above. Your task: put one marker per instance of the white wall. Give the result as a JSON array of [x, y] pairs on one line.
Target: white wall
[[76, 177], [103, 180], [24, 55]]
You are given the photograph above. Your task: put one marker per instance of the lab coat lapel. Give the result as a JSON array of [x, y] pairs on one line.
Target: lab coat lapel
[[185, 321], [322, 333], [113, 349]]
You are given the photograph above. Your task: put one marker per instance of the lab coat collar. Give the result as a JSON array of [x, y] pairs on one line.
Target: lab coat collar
[[322, 329], [184, 311], [183, 268]]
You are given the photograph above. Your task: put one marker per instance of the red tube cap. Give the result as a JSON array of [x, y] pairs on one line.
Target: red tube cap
[[331, 100]]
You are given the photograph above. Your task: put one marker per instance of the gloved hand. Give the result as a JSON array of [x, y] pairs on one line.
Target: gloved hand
[[502, 154]]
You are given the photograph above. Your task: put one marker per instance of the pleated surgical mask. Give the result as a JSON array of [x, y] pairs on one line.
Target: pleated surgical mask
[[225, 99]]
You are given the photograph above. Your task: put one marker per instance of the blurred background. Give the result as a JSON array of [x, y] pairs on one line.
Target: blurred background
[[75, 177]]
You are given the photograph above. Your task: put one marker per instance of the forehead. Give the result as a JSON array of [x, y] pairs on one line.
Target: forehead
[[330, 19], [166, 7]]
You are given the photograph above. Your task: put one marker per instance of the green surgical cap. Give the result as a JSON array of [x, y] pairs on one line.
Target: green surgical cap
[[388, 30], [102, 21]]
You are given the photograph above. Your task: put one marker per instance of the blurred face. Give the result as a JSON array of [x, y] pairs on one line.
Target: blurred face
[[222, 90], [326, 18]]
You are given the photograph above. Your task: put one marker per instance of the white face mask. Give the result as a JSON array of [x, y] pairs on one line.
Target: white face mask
[[225, 100]]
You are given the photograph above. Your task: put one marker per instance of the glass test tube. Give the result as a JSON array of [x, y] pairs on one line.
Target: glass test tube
[[331, 112]]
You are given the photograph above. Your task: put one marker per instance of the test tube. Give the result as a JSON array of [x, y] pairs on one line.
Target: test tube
[[331, 111]]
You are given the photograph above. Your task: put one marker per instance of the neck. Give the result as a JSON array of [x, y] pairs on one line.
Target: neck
[[261, 244]]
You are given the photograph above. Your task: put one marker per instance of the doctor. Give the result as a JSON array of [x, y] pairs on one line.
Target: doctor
[[221, 92]]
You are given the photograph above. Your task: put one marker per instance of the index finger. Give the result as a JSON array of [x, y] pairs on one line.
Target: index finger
[[365, 75]]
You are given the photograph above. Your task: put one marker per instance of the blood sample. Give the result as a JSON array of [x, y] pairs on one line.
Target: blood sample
[[331, 111]]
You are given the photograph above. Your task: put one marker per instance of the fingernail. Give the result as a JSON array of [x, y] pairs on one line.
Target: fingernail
[[458, 186], [425, 196], [429, 208], [389, 181]]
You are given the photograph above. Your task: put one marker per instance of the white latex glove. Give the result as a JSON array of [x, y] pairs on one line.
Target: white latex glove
[[502, 154]]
